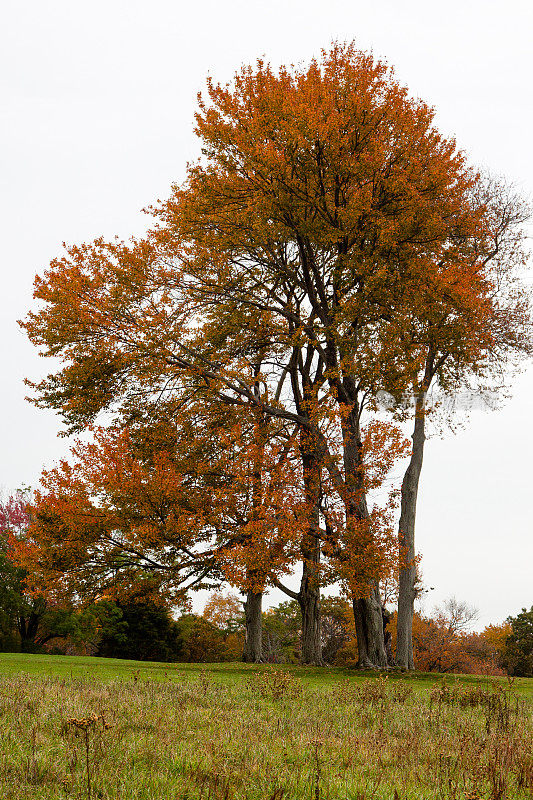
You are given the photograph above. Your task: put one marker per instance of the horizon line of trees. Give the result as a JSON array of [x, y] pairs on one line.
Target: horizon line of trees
[[141, 626], [328, 256]]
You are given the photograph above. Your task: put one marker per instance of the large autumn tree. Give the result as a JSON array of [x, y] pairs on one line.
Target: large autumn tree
[[326, 229], [331, 200]]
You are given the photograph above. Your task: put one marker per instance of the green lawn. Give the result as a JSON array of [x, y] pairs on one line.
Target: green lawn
[[107, 669], [105, 729]]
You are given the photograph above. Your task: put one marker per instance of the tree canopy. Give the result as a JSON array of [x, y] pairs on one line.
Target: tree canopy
[[329, 249]]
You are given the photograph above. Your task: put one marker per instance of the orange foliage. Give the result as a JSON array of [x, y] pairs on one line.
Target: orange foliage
[[439, 647], [160, 507], [224, 610], [327, 244], [496, 637]]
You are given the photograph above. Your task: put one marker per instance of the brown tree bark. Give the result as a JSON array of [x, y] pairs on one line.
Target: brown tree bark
[[253, 611], [253, 637], [369, 630], [367, 610], [309, 601], [309, 595], [388, 637], [308, 598]]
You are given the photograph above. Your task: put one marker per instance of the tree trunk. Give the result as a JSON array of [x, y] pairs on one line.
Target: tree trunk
[[253, 638], [369, 629], [385, 615], [406, 538], [309, 602], [309, 594], [253, 644], [367, 610]]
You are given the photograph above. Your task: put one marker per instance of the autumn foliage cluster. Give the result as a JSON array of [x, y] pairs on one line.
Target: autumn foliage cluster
[[241, 373]]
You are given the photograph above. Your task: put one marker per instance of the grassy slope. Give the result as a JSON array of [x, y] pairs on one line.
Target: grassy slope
[[125, 730], [112, 668]]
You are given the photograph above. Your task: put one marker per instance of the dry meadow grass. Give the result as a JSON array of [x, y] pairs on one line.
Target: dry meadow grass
[[267, 736]]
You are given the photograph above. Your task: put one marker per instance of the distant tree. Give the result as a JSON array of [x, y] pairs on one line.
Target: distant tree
[[282, 630], [456, 615], [201, 640], [439, 639], [518, 650], [139, 629], [434, 645], [13, 603], [495, 638], [443, 642], [225, 611], [339, 641], [478, 655], [29, 621]]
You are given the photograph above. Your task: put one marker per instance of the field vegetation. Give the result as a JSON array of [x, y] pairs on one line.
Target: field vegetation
[[141, 730]]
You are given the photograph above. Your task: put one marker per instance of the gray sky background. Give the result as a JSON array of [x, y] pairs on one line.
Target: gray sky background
[[96, 122]]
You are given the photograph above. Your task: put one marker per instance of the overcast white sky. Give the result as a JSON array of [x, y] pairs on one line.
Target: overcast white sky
[[97, 107]]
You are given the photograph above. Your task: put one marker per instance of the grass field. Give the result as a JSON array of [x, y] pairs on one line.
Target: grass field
[[103, 728]]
